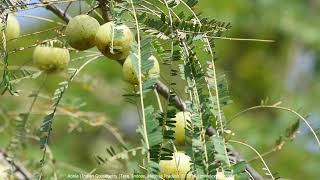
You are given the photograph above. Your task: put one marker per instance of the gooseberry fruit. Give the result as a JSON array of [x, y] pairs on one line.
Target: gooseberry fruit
[[114, 41], [131, 76], [177, 168], [220, 175], [51, 59], [12, 28], [81, 32], [181, 120]]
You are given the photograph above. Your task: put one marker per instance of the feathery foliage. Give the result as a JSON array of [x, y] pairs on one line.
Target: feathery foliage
[[183, 41]]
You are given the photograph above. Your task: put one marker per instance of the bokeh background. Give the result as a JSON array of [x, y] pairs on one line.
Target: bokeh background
[[286, 70]]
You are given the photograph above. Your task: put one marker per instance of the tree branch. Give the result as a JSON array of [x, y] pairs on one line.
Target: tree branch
[[105, 9], [18, 170], [57, 11], [162, 89]]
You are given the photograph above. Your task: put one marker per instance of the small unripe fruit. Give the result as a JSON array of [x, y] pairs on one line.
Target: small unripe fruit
[[131, 76], [114, 41], [51, 59], [12, 28], [81, 32], [179, 131], [178, 167]]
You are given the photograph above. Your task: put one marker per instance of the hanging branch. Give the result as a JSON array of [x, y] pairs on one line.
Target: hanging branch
[[162, 89]]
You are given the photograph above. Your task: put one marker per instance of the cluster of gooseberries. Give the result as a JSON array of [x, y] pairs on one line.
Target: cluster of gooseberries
[[84, 32], [118, 48]]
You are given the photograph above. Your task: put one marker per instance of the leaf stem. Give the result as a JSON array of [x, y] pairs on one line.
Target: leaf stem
[[253, 149], [140, 81], [280, 108]]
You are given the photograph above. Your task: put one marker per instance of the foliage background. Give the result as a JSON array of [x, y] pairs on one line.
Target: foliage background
[[286, 70]]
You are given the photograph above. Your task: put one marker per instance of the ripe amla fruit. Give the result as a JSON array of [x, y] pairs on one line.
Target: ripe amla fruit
[[179, 131], [177, 168], [221, 176], [131, 76], [114, 41], [81, 32], [12, 28], [51, 59]]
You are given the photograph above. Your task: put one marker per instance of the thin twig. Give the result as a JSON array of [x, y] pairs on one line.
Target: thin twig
[[158, 100], [59, 12], [280, 108], [242, 39], [67, 8], [253, 149], [144, 123]]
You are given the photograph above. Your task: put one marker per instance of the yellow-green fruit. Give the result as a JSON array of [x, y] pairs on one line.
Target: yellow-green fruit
[[51, 59], [130, 75], [12, 28], [114, 41], [179, 131], [221, 176], [178, 167], [81, 32]]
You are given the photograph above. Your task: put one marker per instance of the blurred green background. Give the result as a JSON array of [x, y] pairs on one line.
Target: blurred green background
[[286, 70]]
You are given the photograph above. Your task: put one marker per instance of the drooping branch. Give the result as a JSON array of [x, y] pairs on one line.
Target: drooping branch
[[162, 89]]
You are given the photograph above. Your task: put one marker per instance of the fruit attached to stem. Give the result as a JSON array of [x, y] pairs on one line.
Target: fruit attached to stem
[[178, 167], [179, 131], [81, 32], [131, 76], [51, 59], [114, 40], [12, 28]]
